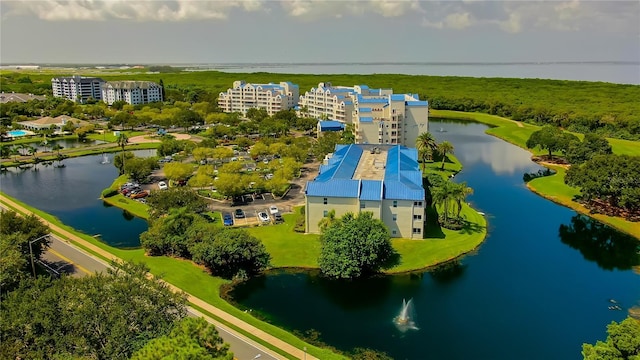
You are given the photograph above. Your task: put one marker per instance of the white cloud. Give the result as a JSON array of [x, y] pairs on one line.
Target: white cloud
[[175, 10], [509, 16]]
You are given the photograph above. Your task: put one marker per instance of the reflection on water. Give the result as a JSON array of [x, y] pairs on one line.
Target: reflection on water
[[473, 146], [72, 194], [597, 242]]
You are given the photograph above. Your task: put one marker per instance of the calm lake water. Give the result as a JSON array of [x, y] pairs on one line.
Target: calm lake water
[[614, 72], [538, 288], [73, 193]]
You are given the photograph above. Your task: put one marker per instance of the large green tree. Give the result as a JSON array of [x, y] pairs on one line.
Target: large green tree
[[623, 342], [445, 148], [21, 237], [109, 315], [355, 246], [551, 138], [592, 144], [232, 253], [612, 179], [167, 235], [176, 171], [191, 338], [160, 202]]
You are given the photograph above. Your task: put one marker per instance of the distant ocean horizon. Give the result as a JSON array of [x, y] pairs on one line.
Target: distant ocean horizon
[[620, 72]]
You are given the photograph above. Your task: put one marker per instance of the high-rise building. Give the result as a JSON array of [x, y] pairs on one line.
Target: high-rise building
[[77, 88]]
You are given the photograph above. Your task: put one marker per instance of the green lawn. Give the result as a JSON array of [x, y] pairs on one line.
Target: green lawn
[[109, 137]]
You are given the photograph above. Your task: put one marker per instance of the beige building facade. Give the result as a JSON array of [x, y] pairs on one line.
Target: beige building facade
[[381, 179], [271, 97]]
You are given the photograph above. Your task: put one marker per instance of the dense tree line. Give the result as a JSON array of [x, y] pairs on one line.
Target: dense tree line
[[610, 110], [612, 180], [105, 316]]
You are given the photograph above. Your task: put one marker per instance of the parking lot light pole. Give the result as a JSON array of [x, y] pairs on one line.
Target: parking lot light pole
[[33, 266]]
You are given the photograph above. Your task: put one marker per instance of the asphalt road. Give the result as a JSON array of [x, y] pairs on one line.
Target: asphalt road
[[64, 257]]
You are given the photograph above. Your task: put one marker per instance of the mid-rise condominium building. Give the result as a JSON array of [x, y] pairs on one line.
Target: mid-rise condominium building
[[334, 102], [271, 97], [379, 116], [77, 88], [382, 179], [132, 92], [390, 119]]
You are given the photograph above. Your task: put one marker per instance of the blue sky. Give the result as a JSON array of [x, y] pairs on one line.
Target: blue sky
[[182, 31]]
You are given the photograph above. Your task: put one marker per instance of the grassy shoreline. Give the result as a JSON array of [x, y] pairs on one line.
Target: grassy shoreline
[[550, 187]]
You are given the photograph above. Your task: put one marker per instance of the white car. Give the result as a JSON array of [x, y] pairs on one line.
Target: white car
[[273, 210], [162, 185], [263, 216]]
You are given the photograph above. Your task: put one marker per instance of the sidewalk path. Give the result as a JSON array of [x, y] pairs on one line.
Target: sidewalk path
[[247, 328]]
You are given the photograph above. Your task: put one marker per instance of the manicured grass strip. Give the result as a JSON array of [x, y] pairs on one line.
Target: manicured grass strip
[[109, 137], [554, 189], [420, 254], [131, 205]]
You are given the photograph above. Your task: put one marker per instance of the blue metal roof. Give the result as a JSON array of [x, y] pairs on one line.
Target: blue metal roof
[[397, 97], [366, 119], [331, 125], [365, 109], [371, 190], [402, 178], [334, 188], [348, 102], [417, 103]]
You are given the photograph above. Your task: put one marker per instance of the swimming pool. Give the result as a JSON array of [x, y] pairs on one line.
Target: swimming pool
[[18, 133]]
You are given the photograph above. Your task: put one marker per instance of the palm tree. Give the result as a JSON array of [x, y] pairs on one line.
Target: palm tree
[[443, 196], [444, 148], [459, 193], [57, 147], [427, 145], [326, 221], [14, 151], [123, 140]]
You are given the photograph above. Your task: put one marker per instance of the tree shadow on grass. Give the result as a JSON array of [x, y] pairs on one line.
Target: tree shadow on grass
[[393, 260], [471, 228], [432, 230]]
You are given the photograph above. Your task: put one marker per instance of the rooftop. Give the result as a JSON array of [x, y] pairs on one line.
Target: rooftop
[[369, 172]]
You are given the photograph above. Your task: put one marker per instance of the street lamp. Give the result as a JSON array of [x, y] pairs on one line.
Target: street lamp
[[33, 266], [305, 352]]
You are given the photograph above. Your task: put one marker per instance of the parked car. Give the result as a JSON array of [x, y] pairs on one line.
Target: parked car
[[269, 176], [277, 218], [227, 219], [263, 216], [162, 185], [140, 195], [273, 209], [239, 214]]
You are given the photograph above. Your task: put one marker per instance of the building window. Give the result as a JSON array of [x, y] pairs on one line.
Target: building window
[[324, 201], [394, 217], [417, 217], [417, 231], [417, 203], [362, 205], [395, 203], [325, 213], [393, 232]]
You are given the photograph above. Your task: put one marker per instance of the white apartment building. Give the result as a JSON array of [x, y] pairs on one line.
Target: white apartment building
[[382, 179], [334, 102], [271, 97], [77, 88], [132, 92], [390, 120]]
